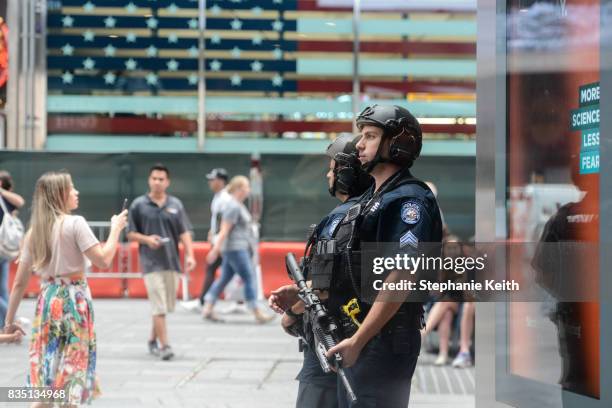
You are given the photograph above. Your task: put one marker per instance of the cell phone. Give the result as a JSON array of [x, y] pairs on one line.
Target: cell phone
[[124, 206], [164, 240]]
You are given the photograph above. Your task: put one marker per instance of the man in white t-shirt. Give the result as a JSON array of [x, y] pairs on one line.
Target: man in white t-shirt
[[217, 179]]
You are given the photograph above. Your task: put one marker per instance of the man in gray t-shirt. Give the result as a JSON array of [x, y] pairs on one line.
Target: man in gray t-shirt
[[157, 221]]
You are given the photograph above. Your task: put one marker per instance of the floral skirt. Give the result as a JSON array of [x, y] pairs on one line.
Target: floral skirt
[[63, 344]]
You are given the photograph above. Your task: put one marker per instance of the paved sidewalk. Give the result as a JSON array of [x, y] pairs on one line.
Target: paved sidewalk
[[233, 365]]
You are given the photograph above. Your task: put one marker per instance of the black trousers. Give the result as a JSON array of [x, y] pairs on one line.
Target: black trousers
[[317, 389], [210, 277], [382, 376], [316, 396]]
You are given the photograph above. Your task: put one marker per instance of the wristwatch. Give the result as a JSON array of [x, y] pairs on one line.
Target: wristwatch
[[292, 314]]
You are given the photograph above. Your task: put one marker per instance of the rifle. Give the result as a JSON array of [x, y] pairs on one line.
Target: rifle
[[325, 329]]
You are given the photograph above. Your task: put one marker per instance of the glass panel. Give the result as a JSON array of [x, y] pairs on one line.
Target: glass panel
[[553, 180]]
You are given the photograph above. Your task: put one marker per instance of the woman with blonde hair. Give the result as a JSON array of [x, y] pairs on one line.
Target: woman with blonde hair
[[234, 241], [58, 247]]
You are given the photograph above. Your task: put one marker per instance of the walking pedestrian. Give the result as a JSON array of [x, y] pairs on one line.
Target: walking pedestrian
[[57, 248], [158, 221]]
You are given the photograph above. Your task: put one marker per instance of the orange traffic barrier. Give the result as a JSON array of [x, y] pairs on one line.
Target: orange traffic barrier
[[33, 286], [271, 258], [272, 261], [196, 277], [106, 287]]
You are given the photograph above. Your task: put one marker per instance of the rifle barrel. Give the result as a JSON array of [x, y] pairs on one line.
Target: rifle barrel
[[293, 268], [347, 385]]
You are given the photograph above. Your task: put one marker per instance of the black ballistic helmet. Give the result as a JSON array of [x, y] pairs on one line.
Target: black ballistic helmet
[[349, 177], [398, 125]]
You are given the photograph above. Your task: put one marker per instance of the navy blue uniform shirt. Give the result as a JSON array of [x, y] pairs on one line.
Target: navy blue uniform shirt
[[328, 225], [406, 215]]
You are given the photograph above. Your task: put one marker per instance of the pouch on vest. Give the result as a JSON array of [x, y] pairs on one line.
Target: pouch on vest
[[322, 264]]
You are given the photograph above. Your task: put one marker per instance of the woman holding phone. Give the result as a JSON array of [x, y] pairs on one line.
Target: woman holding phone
[[57, 247]]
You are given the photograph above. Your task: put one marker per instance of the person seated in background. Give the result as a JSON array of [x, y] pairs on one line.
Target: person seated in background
[[446, 305], [464, 357], [441, 317]]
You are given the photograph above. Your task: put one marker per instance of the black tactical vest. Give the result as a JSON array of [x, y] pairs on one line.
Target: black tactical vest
[[346, 280]]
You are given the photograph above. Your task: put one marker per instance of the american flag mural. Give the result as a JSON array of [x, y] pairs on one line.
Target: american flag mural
[[273, 67]]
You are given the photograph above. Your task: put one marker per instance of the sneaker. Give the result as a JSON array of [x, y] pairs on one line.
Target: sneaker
[[233, 307], [192, 305], [242, 308], [441, 360], [153, 347], [166, 353], [463, 360]]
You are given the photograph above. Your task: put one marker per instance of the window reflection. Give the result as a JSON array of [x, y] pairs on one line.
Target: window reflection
[[553, 196]]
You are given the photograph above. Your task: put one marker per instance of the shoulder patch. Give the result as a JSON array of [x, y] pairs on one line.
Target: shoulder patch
[[411, 212]]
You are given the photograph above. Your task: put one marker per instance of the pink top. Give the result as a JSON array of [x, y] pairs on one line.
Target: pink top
[[67, 252]]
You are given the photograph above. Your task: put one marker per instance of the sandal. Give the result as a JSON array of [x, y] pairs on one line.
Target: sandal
[[212, 318]]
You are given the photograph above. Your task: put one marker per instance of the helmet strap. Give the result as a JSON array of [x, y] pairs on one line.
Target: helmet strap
[[332, 189], [378, 158]]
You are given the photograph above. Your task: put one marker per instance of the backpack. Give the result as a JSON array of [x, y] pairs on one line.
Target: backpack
[[11, 234]]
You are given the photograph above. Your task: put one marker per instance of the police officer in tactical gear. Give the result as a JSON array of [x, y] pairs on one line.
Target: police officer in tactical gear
[[381, 351], [346, 181]]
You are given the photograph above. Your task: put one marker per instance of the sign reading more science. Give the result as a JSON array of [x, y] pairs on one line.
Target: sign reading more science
[[586, 119]]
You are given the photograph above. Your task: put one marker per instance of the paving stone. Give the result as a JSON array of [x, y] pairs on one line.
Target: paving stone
[[237, 364]]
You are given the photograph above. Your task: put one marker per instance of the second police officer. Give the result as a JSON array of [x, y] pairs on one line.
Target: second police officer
[[382, 352], [346, 182]]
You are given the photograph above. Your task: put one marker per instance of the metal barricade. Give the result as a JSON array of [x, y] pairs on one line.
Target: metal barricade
[[124, 264]]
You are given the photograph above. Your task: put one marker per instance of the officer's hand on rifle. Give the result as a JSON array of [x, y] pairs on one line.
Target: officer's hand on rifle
[[287, 321], [283, 298], [349, 349], [292, 322]]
